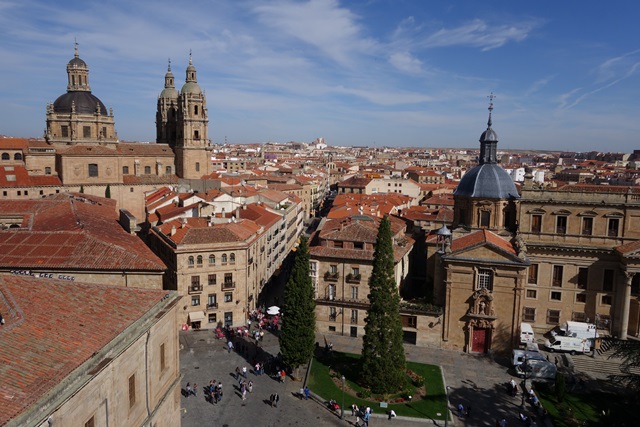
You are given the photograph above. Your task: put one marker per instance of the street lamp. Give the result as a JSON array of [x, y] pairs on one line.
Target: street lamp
[[595, 335], [524, 388], [342, 407]]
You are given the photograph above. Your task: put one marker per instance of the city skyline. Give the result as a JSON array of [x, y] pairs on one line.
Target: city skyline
[[377, 73]]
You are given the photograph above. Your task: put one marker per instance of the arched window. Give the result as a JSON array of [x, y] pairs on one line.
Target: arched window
[[212, 259], [17, 156], [224, 258], [6, 156], [199, 259], [232, 258], [191, 261]]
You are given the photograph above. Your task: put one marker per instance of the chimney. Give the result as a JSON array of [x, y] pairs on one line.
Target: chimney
[[173, 230]]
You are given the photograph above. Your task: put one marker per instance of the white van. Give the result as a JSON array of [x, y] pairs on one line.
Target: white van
[[526, 333], [586, 331], [570, 344], [518, 356]]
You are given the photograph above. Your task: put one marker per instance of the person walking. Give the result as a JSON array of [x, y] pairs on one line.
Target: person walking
[[243, 390], [244, 372], [306, 393], [250, 386], [230, 346], [188, 390]]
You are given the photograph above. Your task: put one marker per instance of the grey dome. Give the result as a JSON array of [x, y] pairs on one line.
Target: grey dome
[[77, 63], [488, 181], [169, 92], [85, 103], [489, 135], [191, 87]]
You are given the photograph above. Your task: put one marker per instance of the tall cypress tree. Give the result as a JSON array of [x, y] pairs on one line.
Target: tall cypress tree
[[383, 359], [297, 337], [107, 191]]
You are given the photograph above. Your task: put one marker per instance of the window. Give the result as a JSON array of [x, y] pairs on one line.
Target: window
[[147, 170], [93, 169], [532, 274], [232, 258], [607, 280], [228, 279], [561, 224], [47, 170], [333, 269], [578, 316], [332, 292], [484, 279], [536, 223], [212, 300], [358, 245], [212, 318], [355, 271], [224, 259], [195, 282], [167, 170], [195, 300], [612, 229], [91, 422], [556, 295], [197, 166], [6, 156], [196, 135], [583, 277], [228, 318], [354, 292], [606, 300], [338, 244], [86, 131], [532, 293], [104, 132], [553, 317], [556, 280], [19, 192], [191, 262], [529, 314], [228, 297], [332, 328], [581, 297], [332, 313], [64, 130], [195, 110], [199, 260], [163, 361], [635, 285], [587, 226], [212, 259], [212, 279], [354, 316], [132, 390], [17, 156], [485, 217]]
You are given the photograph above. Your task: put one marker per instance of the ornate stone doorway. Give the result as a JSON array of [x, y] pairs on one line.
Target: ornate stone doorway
[[480, 339]]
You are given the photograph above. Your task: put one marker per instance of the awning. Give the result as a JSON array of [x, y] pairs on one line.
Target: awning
[[196, 316]]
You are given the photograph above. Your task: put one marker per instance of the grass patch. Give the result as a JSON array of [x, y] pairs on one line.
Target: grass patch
[[326, 368], [588, 409]]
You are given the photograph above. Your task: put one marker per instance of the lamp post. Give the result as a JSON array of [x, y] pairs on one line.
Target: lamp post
[[342, 407], [595, 336], [524, 388]]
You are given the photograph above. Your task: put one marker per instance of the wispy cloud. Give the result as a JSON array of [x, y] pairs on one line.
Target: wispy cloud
[[405, 62], [478, 33], [538, 85]]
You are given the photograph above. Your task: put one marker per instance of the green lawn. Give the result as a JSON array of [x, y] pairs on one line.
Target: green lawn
[[427, 406], [588, 409]]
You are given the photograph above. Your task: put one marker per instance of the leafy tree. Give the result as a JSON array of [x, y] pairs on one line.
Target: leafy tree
[[81, 189], [297, 337], [629, 352], [383, 359], [107, 191]]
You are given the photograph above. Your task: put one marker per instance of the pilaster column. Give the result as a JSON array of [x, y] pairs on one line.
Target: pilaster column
[[626, 300]]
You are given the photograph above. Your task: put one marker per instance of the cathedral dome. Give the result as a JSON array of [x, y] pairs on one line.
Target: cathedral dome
[[169, 92], [84, 102], [76, 62], [488, 181], [191, 87]]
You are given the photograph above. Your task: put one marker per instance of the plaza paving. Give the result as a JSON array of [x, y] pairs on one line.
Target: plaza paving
[[475, 380]]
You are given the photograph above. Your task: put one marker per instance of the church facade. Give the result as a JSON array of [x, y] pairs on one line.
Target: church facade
[[81, 149], [536, 255]]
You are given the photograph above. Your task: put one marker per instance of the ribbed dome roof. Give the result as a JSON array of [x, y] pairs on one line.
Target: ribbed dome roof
[[489, 181], [489, 135], [169, 92], [76, 62], [191, 87], [85, 103]]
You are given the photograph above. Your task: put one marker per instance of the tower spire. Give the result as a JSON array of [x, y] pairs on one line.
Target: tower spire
[[491, 98], [489, 139], [75, 48]]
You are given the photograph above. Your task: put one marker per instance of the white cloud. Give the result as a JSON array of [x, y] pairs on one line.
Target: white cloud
[[478, 33], [405, 62]]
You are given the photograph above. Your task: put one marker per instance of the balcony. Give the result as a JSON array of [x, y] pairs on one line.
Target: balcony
[[195, 288], [213, 306], [353, 278], [228, 285], [331, 276]]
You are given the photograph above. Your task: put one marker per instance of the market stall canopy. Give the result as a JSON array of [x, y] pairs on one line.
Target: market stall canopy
[[273, 310]]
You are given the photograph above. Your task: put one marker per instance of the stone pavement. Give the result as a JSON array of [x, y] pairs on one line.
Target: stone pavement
[[474, 380]]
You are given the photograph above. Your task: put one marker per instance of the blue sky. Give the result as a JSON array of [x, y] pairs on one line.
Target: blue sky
[[379, 72]]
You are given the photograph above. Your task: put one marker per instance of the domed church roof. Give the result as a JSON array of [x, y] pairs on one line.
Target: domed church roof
[[169, 90], [487, 179], [84, 102], [191, 85]]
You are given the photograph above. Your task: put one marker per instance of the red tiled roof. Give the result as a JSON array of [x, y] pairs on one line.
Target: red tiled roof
[[198, 231], [481, 237], [52, 327], [14, 143], [71, 231], [18, 176]]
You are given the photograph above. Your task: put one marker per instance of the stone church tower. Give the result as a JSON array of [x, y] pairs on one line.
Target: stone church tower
[[79, 117], [182, 123]]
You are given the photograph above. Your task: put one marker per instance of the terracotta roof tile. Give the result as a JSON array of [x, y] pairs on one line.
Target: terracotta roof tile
[[52, 327], [481, 237]]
